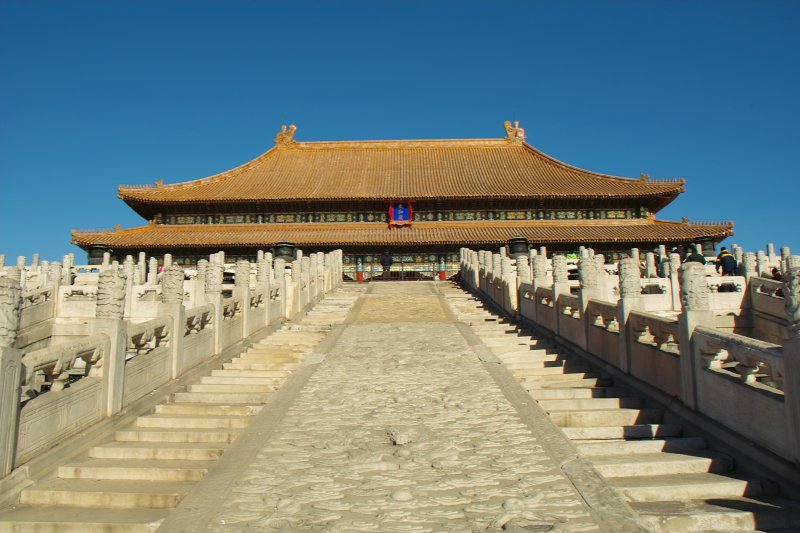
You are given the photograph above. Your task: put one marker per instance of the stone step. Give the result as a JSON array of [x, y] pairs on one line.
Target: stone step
[[221, 397], [513, 348], [141, 470], [730, 514], [501, 327], [582, 404], [174, 421], [565, 381], [638, 431], [661, 464], [245, 365], [200, 387], [527, 371], [210, 409], [628, 447], [538, 355], [61, 519], [285, 347], [573, 393], [290, 336], [280, 356], [230, 372], [602, 417], [220, 436], [688, 487], [111, 494], [506, 341], [241, 380], [168, 451], [280, 361]]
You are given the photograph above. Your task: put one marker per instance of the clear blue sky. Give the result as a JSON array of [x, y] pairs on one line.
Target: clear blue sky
[[98, 93]]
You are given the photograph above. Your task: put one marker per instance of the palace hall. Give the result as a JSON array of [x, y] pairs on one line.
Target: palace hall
[[420, 199]]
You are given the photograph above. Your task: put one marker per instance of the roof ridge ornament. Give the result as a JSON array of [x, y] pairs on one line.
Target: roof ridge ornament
[[285, 137], [514, 133]]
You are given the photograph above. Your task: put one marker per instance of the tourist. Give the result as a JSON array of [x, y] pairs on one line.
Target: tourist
[[386, 262], [695, 257], [776, 274], [726, 263]]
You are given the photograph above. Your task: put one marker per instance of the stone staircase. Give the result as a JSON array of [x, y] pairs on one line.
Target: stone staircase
[[672, 479], [130, 483]]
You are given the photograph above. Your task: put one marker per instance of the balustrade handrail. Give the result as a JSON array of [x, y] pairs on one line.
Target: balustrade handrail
[[36, 296], [144, 327], [759, 283], [56, 362], [603, 305], [652, 317], [756, 359], [568, 299], [768, 350], [199, 310]]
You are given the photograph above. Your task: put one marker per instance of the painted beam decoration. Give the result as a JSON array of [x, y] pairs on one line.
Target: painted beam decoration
[[400, 214]]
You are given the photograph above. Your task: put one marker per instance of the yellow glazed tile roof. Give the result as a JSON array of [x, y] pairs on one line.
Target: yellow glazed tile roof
[[420, 233], [387, 170]]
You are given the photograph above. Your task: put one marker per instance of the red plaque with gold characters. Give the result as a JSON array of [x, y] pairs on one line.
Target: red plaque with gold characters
[[400, 214]]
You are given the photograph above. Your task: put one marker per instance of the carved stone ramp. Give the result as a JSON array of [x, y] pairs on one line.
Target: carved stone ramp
[[400, 427], [671, 479], [131, 483]]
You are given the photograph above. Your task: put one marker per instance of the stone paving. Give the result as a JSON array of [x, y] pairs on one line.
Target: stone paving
[[401, 428]]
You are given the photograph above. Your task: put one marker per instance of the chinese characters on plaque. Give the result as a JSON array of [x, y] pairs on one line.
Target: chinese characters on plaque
[[400, 214]]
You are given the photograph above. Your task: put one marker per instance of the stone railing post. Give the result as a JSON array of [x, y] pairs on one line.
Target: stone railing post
[[242, 290], [674, 281], [494, 279], [141, 269], [771, 252], [152, 271], [560, 286], [538, 279], [590, 288], [213, 290], [10, 370], [279, 272], [523, 270], [66, 271], [738, 254], [785, 254], [172, 306], [313, 276], [630, 291], [696, 312], [508, 286], [262, 282], [650, 265], [128, 268], [307, 280], [327, 271], [791, 359], [749, 266], [199, 290], [294, 278], [483, 270], [109, 312], [762, 263]]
